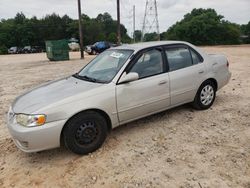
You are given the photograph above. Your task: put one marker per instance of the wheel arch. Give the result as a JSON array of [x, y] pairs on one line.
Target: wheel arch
[[195, 101], [101, 112], [214, 81], [209, 79]]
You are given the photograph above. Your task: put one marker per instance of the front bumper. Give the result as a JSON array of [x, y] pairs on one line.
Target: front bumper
[[88, 50], [34, 139]]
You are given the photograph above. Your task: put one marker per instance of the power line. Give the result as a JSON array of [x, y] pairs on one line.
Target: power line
[[127, 16]]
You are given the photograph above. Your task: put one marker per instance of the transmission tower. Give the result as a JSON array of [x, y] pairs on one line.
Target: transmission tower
[[150, 21]]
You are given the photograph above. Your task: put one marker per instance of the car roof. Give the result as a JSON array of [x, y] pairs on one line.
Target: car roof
[[143, 45]]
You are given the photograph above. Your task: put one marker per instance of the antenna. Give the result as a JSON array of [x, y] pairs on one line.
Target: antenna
[[150, 21]]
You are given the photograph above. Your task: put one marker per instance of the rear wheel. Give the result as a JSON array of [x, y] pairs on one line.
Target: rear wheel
[[85, 132], [205, 96]]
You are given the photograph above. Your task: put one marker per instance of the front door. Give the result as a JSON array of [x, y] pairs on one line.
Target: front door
[[150, 93]]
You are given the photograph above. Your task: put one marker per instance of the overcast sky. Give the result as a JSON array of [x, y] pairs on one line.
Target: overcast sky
[[170, 11]]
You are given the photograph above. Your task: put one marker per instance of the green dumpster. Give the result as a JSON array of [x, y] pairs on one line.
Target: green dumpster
[[57, 50]]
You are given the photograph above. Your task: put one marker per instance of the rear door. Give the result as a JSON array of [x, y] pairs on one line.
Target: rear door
[[150, 93], [186, 73]]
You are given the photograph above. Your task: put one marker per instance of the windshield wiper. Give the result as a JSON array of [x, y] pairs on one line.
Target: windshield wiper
[[86, 78], [76, 75]]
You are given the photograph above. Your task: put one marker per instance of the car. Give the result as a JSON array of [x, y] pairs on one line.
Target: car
[[14, 50], [37, 49], [120, 85], [32, 49], [74, 46], [98, 47], [27, 49]]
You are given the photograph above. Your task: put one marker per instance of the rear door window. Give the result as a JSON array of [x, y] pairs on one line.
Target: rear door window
[[178, 58]]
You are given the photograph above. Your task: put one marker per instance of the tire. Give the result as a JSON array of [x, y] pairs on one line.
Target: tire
[[94, 52], [85, 133], [205, 96]]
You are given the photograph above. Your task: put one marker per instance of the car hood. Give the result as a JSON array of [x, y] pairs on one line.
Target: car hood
[[50, 93]]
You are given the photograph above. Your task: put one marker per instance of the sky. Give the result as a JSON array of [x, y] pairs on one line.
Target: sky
[[170, 11]]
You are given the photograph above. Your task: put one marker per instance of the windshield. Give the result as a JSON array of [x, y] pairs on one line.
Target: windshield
[[105, 66]]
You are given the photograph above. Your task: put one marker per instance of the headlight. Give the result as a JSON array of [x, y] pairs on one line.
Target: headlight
[[30, 120]]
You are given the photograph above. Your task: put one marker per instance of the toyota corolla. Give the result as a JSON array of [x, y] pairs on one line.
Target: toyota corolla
[[120, 85]]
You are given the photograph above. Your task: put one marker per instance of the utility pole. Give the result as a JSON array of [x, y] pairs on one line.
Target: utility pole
[[134, 23], [80, 29], [118, 23]]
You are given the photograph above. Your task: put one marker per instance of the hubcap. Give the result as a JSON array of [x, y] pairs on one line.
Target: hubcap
[[86, 133], [207, 95]]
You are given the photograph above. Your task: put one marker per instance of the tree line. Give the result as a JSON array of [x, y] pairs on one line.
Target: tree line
[[206, 27], [22, 31], [200, 27], [203, 27]]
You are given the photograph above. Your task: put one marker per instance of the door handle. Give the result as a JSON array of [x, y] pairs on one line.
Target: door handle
[[215, 64], [201, 71], [162, 82]]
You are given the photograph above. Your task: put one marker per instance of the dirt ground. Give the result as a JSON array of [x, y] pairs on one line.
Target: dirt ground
[[181, 147]]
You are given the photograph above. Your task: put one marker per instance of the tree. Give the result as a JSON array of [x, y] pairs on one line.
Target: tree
[[247, 32], [151, 36], [3, 49], [138, 34], [20, 18], [204, 27], [112, 37]]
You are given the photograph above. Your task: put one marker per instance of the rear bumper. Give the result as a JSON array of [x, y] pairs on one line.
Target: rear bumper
[[36, 139]]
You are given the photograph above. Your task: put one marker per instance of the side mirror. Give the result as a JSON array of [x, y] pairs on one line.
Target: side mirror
[[132, 76]]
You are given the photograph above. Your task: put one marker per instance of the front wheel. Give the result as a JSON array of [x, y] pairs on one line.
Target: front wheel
[[85, 132], [205, 96]]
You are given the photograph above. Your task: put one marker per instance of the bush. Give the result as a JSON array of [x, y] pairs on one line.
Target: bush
[[3, 50]]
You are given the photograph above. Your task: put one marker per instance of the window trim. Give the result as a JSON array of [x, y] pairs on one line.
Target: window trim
[[138, 55], [201, 60]]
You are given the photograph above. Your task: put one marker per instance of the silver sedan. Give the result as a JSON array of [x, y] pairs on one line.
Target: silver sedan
[[120, 85]]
